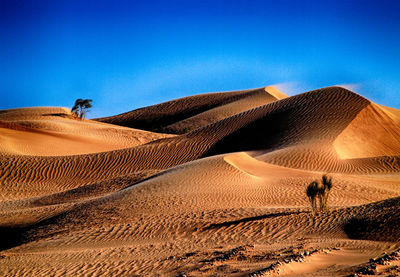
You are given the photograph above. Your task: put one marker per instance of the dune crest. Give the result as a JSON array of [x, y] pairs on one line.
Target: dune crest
[[249, 165], [275, 92]]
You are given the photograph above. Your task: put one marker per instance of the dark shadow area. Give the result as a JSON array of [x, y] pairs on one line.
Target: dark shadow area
[[380, 221], [156, 118], [356, 227], [12, 236], [290, 121], [263, 133], [382, 227], [248, 219], [58, 114]]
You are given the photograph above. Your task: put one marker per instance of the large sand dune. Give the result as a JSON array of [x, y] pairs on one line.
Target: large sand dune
[[188, 113], [225, 197]]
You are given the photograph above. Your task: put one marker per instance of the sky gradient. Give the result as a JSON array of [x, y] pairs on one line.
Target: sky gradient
[[129, 54]]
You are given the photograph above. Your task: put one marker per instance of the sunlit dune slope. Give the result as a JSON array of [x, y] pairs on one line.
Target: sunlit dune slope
[[47, 131], [188, 113], [374, 132]]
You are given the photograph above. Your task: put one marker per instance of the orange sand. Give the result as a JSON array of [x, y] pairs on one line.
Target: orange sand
[[226, 197]]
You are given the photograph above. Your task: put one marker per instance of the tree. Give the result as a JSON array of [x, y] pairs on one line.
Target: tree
[[312, 192], [81, 107], [327, 185], [320, 191]]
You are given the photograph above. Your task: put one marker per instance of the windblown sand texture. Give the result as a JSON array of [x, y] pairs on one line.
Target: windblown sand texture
[[207, 185]]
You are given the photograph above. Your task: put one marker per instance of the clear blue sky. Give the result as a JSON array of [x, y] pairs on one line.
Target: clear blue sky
[[129, 54]]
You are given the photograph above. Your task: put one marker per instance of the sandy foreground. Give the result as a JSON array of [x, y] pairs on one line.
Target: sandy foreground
[[207, 185]]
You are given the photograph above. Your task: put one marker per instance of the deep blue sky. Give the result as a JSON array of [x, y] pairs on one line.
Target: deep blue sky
[[129, 54]]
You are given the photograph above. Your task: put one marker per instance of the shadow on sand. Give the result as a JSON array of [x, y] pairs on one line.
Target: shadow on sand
[[253, 218]]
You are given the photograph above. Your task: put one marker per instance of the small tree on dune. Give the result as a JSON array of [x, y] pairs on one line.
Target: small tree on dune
[[327, 185], [320, 191], [312, 192], [81, 107]]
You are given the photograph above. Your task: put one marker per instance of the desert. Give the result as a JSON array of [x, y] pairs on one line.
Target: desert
[[212, 184]]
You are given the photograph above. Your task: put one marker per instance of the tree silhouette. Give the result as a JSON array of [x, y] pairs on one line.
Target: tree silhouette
[[327, 185], [320, 191], [81, 107], [312, 192]]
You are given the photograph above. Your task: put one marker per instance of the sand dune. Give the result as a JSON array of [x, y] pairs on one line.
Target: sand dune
[[226, 198], [271, 128], [55, 132], [256, 98], [186, 114]]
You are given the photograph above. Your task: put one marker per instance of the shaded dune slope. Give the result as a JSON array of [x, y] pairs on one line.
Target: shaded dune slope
[[313, 117], [257, 98], [188, 113], [378, 221]]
